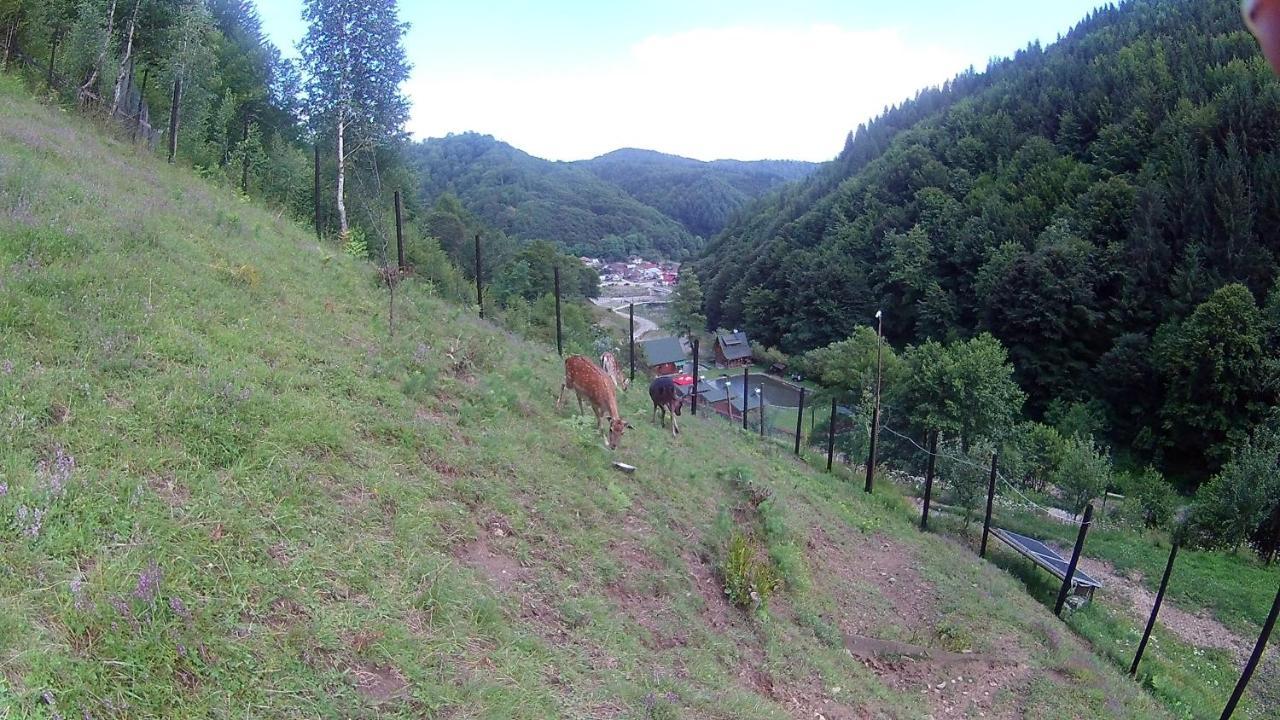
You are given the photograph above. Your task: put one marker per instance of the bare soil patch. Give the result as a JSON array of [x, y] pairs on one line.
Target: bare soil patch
[[378, 684], [501, 570]]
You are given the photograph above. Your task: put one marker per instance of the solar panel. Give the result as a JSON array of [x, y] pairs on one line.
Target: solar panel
[[1045, 556]]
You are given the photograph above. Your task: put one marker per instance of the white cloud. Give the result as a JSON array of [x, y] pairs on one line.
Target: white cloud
[[738, 92]]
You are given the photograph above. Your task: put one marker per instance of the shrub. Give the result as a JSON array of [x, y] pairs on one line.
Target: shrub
[[1153, 497], [749, 578], [1238, 504], [1083, 473], [356, 245]]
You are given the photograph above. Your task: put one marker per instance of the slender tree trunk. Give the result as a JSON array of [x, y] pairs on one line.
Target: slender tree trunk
[[174, 115], [244, 159], [8, 43], [126, 62], [87, 88], [53, 55], [342, 174]]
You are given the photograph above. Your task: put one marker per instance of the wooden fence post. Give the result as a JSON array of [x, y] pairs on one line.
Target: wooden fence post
[[799, 420], [555, 271], [479, 273], [1155, 611], [1254, 659], [1075, 560], [991, 499], [244, 161], [746, 395], [871, 454], [173, 118], [399, 232], [831, 436], [928, 479], [315, 192], [631, 314], [697, 378]]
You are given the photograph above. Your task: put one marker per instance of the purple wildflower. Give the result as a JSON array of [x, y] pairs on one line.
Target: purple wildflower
[[149, 583], [57, 472], [30, 520], [6, 367], [182, 650], [178, 608], [4, 489], [421, 354], [78, 593], [47, 697], [121, 607], [245, 394]]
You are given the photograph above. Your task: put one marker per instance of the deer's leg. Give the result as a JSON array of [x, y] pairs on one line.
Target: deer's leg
[[560, 402], [675, 425], [580, 408]]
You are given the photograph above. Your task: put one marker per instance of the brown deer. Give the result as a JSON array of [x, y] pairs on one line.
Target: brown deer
[[609, 362], [666, 396], [587, 380]]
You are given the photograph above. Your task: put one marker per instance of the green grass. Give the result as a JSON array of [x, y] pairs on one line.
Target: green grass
[[1235, 588], [276, 510], [1191, 682]]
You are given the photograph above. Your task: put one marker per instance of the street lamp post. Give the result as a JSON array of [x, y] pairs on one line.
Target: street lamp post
[[875, 414], [760, 402]]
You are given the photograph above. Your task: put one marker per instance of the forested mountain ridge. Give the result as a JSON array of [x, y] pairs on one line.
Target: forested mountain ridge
[[1086, 205], [624, 203], [535, 199], [701, 196]]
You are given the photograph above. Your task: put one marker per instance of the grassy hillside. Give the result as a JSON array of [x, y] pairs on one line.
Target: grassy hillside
[[226, 492]]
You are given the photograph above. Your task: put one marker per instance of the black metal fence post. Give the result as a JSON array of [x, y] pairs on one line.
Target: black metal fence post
[[799, 420], [831, 436], [1075, 560], [928, 479], [871, 454], [746, 395], [991, 499], [632, 339], [479, 274], [559, 332], [315, 191], [1254, 659], [399, 231], [696, 377], [1155, 611]]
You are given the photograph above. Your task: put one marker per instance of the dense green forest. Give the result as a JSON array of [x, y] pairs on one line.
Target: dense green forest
[[535, 199], [628, 202], [701, 196], [1106, 208]]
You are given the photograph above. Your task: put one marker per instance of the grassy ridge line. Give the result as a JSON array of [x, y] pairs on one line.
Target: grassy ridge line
[[275, 510]]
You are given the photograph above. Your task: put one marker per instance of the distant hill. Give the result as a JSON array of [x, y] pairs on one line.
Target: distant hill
[[623, 203], [701, 196]]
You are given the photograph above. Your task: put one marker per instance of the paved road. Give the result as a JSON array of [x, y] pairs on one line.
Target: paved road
[[644, 325]]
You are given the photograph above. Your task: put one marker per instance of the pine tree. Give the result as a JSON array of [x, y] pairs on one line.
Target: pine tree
[[355, 63], [686, 307]]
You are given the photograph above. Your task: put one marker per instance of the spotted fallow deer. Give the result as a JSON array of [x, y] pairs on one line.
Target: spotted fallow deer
[[609, 362], [587, 380]]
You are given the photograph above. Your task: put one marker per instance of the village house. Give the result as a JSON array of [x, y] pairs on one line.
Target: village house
[[663, 356], [733, 350]]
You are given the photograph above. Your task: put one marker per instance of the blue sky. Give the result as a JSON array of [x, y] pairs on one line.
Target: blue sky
[[709, 79]]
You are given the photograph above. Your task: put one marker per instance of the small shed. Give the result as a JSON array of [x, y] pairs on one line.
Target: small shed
[[733, 349], [663, 356]]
